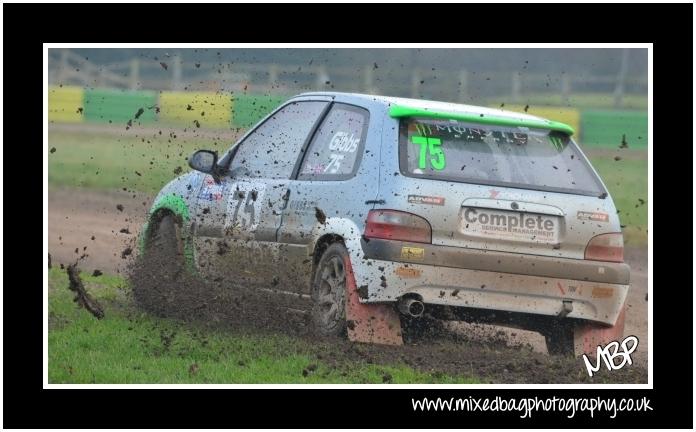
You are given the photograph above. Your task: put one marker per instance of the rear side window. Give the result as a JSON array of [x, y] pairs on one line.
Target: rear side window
[[494, 155], [271, 151], [337, 147]]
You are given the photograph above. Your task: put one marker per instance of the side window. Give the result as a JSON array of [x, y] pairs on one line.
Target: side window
[[271, 151], [337, 147]]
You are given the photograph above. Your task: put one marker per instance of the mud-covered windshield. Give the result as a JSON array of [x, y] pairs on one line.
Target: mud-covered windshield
[[484, 154]]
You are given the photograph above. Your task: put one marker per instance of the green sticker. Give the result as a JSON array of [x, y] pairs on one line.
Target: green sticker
[[556, 142], [432, 146]]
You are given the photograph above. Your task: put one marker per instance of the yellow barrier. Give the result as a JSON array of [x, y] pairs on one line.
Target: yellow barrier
[[208, 109], [65, 104], [569, 116]]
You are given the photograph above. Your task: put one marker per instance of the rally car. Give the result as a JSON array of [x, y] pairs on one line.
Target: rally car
[[381, 210]]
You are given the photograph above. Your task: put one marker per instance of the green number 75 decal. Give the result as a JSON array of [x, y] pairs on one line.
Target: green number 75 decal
[[432, 146]]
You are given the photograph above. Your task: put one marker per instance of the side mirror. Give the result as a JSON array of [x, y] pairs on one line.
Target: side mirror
[[204, 161]]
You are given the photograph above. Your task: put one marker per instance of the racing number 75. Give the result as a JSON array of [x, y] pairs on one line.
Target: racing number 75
[[432, 146], [248, 208], [243, 206]]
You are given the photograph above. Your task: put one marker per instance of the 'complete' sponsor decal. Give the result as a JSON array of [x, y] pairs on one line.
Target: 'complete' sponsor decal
[[480, 222]]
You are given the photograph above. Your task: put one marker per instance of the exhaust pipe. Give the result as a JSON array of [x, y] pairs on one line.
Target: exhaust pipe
[[411, 307]]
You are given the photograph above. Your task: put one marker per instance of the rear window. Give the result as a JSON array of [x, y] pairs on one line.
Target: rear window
[[492, 155]]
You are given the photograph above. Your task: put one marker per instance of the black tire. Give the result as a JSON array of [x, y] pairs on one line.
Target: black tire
[[560, 338], [161, 267], [329, 292]]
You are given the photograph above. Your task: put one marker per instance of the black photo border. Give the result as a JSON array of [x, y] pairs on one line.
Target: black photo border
[[25, 28]]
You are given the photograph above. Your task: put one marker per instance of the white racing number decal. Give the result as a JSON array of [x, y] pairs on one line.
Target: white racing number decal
[[334, 163], [340, 144], [244, 205], [344, 142]]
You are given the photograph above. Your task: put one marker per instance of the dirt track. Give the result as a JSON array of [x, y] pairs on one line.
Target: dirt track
[[79, 218]]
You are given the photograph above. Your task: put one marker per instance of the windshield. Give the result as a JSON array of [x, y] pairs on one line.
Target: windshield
[[504, 156]]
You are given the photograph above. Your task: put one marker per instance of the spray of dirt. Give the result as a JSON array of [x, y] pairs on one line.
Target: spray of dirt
[[432, 346], [162, 287]]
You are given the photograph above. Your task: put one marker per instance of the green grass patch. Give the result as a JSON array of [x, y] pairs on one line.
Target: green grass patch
[[609, 128], [250, 109], [129, 346], [108, 161], [627, 181]]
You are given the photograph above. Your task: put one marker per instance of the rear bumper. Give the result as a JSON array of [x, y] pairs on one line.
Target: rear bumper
[[500, 262], [523, 284]]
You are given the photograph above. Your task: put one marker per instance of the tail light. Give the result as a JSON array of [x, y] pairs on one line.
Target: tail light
[[605, 247], [397, 225]]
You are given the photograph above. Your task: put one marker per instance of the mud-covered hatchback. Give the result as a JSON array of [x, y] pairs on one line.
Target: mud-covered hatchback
[[380, 212]]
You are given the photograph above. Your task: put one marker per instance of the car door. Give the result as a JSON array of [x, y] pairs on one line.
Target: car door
[[326, 180], [237, 218]]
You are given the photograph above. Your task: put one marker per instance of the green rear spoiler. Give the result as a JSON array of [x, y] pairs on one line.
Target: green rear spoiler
[[399, 111]]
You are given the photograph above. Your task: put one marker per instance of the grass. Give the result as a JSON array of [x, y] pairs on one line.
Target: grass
[[129, 346], [627, 181], [104, 161]]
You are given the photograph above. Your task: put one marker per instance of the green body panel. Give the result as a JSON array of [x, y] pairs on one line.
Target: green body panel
[[249, 109], [398, 111], [172, 202], [118, 106], [175, 204], [606, 128]]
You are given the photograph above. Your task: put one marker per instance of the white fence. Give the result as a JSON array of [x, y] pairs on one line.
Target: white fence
[[175, 73]]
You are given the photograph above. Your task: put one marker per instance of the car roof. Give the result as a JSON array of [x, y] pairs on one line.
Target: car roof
[[419, 106]]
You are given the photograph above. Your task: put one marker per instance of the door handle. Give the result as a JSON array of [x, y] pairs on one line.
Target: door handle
[[286, 199]]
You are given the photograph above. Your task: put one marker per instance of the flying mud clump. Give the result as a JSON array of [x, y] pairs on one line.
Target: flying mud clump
[[82, 298]]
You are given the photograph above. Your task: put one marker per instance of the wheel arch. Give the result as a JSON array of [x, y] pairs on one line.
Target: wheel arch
[[323, 243], [173, 205], [342, 230]]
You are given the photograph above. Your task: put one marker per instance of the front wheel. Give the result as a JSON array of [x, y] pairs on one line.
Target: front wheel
[[161, 266], [329, 292]]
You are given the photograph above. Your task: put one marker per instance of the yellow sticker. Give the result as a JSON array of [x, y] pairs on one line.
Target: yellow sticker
[[407, 272], [412, 253], [600, 292]]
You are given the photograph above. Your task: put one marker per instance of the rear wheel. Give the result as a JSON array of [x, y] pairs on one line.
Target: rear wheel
[[161, 267], [329, 292]]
